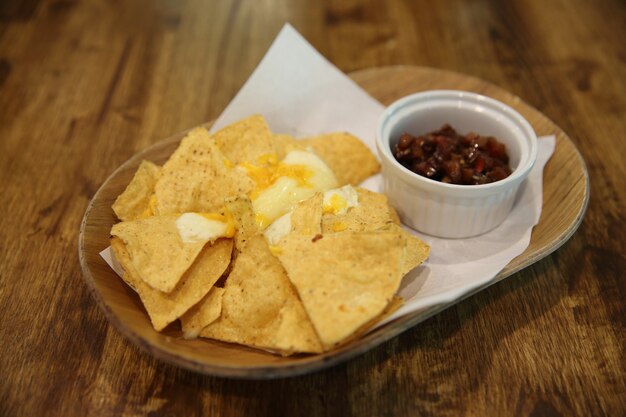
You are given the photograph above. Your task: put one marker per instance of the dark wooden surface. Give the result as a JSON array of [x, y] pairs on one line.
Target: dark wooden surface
[[86, 84]]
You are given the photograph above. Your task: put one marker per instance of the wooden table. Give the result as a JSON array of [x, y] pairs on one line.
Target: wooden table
[[86, 84]]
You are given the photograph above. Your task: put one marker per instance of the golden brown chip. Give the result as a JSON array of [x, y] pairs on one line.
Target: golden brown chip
[[156, 250], [241, 209], [415, 251], [306, 217], [344, 279], [202, 314], [350, 160], [196, 283], [134, 202], [285, 144], [260, 307], [372, 212], [246, 140], [197, 177]]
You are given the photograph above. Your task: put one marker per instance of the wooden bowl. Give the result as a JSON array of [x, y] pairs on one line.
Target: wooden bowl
[[566, 193]]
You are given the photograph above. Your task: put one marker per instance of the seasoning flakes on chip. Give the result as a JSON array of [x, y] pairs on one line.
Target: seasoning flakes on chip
[[197, 177], [306, 218], [241, 209], [134, 202], [157, 251], [246, 140], [164, 308], [372, 212], [314, 265], [344, 279]]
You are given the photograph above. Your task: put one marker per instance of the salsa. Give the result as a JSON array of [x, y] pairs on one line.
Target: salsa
[[445, 155]]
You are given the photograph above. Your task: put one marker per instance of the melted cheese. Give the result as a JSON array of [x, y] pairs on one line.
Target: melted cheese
[[279, 229], [280, 185], [339, 200], [204, 227]]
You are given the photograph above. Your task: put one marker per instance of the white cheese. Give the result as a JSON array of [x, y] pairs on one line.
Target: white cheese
[[194, 228]]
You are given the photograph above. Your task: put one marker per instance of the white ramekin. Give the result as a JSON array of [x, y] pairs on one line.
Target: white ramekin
[[450, 210]]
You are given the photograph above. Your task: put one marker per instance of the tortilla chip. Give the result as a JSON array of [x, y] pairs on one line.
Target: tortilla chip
[[134, 202], [241, 209], [343, 279], [348, 157], [197, 177], [372, 212], [415, 252], [202, 314], [393, 306], [156, 250], [260, 307], [306, 217], [283, 144], [197, 281], [246, 140]]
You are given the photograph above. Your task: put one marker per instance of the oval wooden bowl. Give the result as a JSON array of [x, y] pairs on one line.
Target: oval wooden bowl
[[566, 193]]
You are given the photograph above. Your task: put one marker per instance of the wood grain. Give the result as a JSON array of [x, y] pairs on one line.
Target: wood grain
[[86, 84]]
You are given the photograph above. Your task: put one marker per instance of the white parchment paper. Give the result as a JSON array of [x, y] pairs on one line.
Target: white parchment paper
[[301, 93]]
